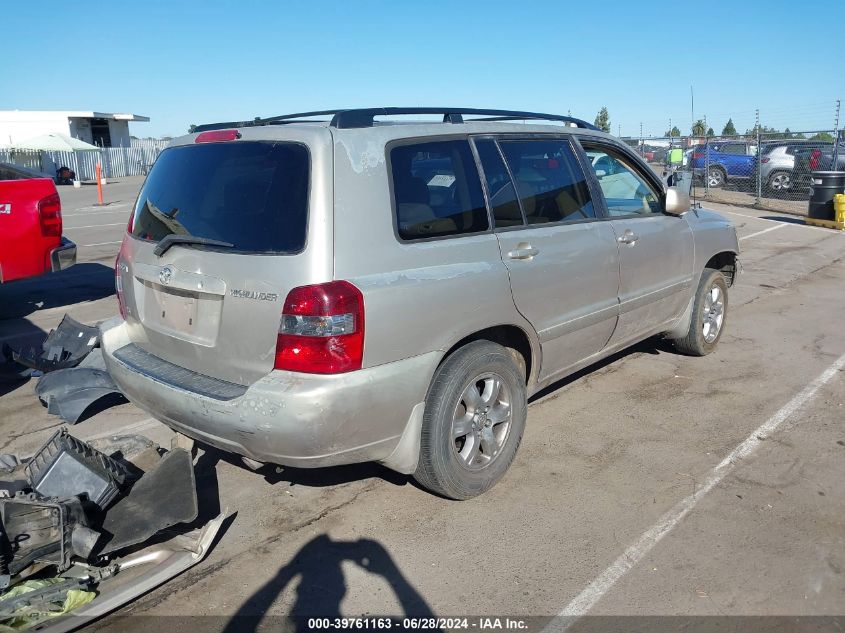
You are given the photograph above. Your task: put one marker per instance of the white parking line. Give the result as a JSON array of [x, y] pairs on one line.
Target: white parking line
[[66, 214], [101, 243], [96, 209], [771, 228], [780, 222], [594, 592], [94, 226]]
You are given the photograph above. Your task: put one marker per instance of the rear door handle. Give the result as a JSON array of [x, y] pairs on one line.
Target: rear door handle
[[628, 237], [523, 250]]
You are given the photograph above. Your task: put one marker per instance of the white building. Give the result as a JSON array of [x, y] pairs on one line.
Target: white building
[[106, 129]]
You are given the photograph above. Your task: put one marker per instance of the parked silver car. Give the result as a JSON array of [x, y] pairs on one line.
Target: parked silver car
[[310, 293], [777, 165]]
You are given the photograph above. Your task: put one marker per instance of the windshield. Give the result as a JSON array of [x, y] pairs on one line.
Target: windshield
[[252, 195]]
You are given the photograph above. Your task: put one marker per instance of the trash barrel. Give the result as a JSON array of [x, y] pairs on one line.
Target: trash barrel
[[823, 186]]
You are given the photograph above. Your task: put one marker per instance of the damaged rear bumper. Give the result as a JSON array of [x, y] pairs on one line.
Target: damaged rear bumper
[[286, 418]]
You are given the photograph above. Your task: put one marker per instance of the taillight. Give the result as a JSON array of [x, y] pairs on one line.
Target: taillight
[[814, 158], [322, 329], [50, 215], [118, 286], [215, 136], [698, 156], [765, 159], [131, 224]]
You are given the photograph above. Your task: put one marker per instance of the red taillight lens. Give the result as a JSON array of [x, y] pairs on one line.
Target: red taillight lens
[[50, 215], [118, 286], [814, 158], [765, 159], [130, 225], [698, 156], [322, 329], [215, 136]]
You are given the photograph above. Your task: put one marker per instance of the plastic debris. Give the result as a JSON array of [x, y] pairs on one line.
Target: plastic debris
[[64, 347]]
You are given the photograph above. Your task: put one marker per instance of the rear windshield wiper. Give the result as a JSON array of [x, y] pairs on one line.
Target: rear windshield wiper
[[171, 240]]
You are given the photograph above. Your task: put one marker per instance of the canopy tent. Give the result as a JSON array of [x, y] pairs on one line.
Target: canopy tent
[[55, 142]]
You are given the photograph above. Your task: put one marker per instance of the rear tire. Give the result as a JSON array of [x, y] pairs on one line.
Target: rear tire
[[709, 310], [474, 418]]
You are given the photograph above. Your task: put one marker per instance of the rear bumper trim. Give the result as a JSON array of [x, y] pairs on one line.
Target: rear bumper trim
[[175, 376], [63, 256]]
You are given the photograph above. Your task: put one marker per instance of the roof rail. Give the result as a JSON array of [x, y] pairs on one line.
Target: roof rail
[[285, 118], [364, 117]]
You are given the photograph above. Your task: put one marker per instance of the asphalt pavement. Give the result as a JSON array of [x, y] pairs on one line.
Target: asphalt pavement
[[651, 484]]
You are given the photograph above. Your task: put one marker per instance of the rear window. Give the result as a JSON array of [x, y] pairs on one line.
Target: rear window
[[436, 190], [253, 195]]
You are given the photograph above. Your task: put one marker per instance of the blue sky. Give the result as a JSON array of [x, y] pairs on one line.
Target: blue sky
[[199, 61]]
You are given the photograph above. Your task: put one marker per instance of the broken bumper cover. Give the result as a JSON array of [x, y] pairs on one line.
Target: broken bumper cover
[[63, 256], [285, 418]]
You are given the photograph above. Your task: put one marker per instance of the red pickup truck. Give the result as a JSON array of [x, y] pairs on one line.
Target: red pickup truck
[[31, 241]]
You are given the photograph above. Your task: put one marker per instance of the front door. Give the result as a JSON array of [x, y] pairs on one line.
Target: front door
[[656, 250], [563, 263]]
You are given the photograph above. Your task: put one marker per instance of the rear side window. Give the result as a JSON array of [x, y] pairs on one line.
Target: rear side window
[[253, 195], [503, 200], [549, 180], [436, 190]]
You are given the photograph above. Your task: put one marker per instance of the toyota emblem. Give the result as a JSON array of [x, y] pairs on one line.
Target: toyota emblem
[[165, 275]]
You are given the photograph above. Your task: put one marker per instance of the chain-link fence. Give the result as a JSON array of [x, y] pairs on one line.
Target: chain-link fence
[[766, 170]]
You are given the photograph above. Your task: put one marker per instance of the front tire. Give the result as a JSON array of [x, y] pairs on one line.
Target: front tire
[[709, 310], [780, 182], [716, 177], [473, 422]]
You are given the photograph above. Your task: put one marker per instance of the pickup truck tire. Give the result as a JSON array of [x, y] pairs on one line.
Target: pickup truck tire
[[709, 311], [779, 182], [716, 177], [473, 422]]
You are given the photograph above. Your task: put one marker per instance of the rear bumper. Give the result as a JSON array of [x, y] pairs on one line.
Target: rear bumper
[[286, 418], [63, 256]]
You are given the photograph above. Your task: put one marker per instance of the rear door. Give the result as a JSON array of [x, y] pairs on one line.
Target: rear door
[[563, 264], [656, 251], [215, 308]]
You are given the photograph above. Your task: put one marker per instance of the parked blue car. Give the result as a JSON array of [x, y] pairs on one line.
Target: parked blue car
[[723, 162]]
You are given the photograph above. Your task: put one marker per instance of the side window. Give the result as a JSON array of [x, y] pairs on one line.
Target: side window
[[550, 183], [737, 149], [625, 191], [436, 190], [503, 201]]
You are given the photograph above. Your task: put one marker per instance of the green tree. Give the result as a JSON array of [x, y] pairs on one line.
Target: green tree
[[710, 132], [673, 132], [729, 129], [822, 136], [192, 128], [698, 128], [602, 121]]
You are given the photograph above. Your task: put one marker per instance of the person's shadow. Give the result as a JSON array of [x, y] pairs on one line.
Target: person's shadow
[[322, 586]]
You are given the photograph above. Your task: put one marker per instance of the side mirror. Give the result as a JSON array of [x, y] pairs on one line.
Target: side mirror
[[677, 201]]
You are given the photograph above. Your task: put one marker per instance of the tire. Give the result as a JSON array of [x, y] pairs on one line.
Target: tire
[[707, 315], [716, 177], [779, 182], [465, 465]]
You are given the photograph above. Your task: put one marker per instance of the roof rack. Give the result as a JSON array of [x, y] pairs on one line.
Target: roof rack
[[364, 117]]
